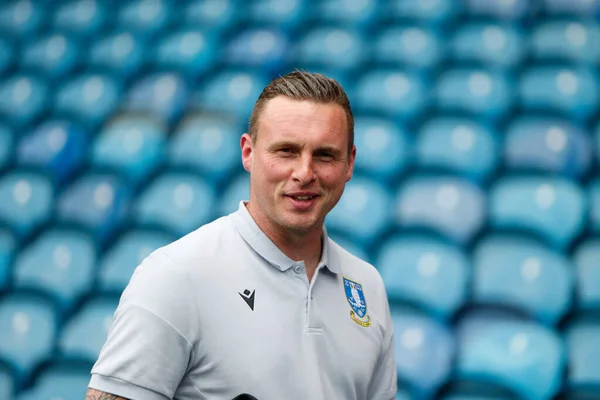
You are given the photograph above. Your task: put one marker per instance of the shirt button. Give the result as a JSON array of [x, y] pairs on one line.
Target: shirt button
[[297, 269]]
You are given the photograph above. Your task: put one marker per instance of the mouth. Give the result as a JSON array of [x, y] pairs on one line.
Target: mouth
[[302, 201]]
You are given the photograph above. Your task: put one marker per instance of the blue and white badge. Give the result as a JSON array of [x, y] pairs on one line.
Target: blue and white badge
[[356, 299]]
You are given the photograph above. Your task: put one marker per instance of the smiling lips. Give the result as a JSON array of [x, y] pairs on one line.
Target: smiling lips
[[302, 200]]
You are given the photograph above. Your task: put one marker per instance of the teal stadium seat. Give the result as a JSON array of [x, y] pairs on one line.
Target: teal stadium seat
[[358, 13], [60, 263], [132, 146], [547, 145], [220, 16], [21, 18], [84, 334], [53, 55], [572, 41], [477, 92], [490, 44], [145, 17], [287, 15], [581, 339], [177, 201], [504, 10], [121, 53], [26, 201], [7, 142], [378, 139], [84, 18], [522, 357], [191, 51], [58, 147], [57, 382], [459, 145], [264, 48], [410, 45], [552, 209], [95, 202], [23, 98], [208, 144], [8, 251], [117, 264], [88, 97], [451, 207], [568, 91], [363, 211], [29, 327], [424, 272], [587, 272], [236, 190], [432, 12], [519, 273]]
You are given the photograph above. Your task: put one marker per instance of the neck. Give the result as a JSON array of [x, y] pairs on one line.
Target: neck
[[298, 246]]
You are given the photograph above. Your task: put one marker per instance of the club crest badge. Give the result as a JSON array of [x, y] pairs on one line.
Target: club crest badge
[[358, 305]]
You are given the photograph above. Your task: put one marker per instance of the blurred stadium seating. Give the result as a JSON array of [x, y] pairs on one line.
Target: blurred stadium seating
[[476, 193]]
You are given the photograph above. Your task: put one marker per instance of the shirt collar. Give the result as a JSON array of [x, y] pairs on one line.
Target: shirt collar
[[255, 237]]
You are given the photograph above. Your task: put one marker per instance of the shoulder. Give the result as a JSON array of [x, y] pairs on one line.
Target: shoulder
[[356, 268]]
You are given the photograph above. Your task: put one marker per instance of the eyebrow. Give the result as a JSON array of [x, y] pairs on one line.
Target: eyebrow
[[324, 148]]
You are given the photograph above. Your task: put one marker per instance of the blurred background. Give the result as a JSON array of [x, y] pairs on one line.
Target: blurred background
[[476, 194]]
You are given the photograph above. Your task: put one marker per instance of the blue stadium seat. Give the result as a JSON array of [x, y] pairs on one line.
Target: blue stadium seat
[[122, 53], [8, 250], [54, 55], [132, 146], [331, 47], [84, 334], [581, 339], [476, 91], [570, 91], [391, 92], [498, 9], [571, 7], [287, 15], [21, 18], [488, 43], [571, 41], [352, 246], [552, 209], [145, 17], [7, 140], [56, 382], [424, 351], [520, 273], [29, 326], [587, 270], [179, 202], [237, 190], [191, 51], [459, 145], [402, 394], [57, 146], [208, 144], [449, 206], [95, 202], [363, 211], [163, 94], [82, 17], [362, 14], [501, 352], [88, 97], [415, 46], [381, 139], [7, 53], [427, 11], [60, 263], [217, 15], [7, 383], [22, 98], [594, 203], [230, 92], [549, 145], [26, 201], [262, 48], [118, 263], [424, 272]]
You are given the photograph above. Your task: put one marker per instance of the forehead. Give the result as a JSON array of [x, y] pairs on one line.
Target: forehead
[[288, 115]]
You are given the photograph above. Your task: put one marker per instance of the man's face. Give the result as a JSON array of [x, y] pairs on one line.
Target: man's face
[[299, 164]]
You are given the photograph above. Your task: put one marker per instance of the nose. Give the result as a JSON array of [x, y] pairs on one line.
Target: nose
[[303, 171]]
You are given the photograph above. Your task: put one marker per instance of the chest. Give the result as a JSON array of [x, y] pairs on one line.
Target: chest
[[279, 334]]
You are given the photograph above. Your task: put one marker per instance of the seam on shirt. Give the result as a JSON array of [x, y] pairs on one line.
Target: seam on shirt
[[129, 383]]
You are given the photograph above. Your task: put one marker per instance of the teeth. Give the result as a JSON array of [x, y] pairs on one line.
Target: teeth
[[303, 197]]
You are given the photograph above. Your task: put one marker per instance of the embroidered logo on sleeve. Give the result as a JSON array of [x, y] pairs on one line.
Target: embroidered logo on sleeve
[[358, 304]]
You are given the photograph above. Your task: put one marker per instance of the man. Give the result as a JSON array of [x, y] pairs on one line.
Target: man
[[261, 302]]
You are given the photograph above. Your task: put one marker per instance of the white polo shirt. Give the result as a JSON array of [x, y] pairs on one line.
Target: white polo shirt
[[222, 311]]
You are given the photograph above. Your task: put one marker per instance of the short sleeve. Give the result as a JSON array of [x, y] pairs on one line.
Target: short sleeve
[[148, 349], [384, 382]]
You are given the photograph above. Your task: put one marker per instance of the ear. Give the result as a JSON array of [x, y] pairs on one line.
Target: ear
[[247, 146], [351, 159]]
